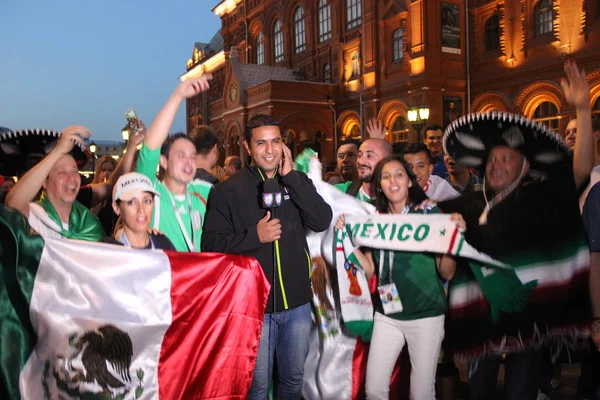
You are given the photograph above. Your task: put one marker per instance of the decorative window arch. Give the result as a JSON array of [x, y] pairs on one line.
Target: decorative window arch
[[543, 17], [400, 130], [492, 33], [353, 13], [398, 44], [260, 48], [299, 30], [324, 20], [546, 113], [278, 41]]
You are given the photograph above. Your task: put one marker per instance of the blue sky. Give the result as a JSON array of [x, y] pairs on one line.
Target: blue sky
[[65, 62]]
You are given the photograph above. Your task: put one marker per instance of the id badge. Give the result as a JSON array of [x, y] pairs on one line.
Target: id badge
[[196, 220], [390, 299]]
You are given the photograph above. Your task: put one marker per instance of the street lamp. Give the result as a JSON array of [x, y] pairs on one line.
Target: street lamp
[[93, 151], [125, 134], [418, 118]]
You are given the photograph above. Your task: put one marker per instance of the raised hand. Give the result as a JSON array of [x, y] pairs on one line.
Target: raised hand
[[138, 137], [341, 222], [70, 136], [268, 231], [375, 129], [192, 87], [459, 221], [576, 86], [286, 164]]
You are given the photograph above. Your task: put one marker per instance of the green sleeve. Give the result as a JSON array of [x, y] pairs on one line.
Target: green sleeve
[[147, 162]]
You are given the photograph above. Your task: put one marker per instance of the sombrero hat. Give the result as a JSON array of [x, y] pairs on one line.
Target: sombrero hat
[[21, 150], [470, 138]]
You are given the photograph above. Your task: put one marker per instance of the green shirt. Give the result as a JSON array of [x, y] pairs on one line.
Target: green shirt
[[360, 195], [164, 217], [416, 277]]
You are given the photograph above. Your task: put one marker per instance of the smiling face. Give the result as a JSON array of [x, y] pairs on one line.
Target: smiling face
[[63, 181], [503, 167], [180, 165], [395, 183], [421, 166], [433, 141], [265, 148], [369, 154], [136, 212]]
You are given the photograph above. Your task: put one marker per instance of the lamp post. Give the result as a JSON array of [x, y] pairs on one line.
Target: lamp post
[[125, 134], [93, 152], [418, 118]]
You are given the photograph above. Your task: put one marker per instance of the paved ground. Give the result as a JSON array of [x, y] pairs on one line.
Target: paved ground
[[566, 391]]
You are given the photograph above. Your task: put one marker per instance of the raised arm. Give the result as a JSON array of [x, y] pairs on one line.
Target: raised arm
[[30, 184], [159, 130], [577, 93]]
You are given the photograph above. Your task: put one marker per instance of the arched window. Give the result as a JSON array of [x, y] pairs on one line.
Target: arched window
[[400, 130], [596, 107], [547, 114], [355, 64], [278, 41], [326, 73], [299, 30], [353, 13], [324, 20], [355, 132], [492, 33], [398, 44], [260, 48], [543, 17]]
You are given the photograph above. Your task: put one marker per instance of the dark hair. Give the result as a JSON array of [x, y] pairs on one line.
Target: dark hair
[[415, 148], [416, 195], [256, 122], [399, 147], [433, 127], [204, 139], [166, 147], [348, 141], [235, 162]]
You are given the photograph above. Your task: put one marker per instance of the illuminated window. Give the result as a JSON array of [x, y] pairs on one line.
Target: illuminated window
[[260, 49], [400, 130], [547, 114], [324, 20], [326, 73], [299, 30], [278, 41], [353, 13], [355, 64], [492, 33], [543, 17], [398, 41]]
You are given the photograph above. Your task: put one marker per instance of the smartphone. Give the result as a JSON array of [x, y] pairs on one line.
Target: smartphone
[[133, 122]]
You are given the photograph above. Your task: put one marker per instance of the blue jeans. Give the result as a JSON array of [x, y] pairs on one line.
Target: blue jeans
[[288, 333]]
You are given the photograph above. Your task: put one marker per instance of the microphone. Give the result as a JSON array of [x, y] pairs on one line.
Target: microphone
[[271, 197]]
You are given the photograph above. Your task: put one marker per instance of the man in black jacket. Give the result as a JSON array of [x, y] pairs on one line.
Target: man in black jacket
[[236, 223]]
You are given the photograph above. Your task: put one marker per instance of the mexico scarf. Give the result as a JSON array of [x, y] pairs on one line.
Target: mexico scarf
[[98, 321], [83, 224]]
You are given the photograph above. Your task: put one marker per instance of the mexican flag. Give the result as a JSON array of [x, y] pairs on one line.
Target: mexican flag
[[87, 320]]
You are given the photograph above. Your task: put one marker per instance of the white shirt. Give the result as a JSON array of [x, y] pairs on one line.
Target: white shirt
[[42, 224], [439, 189]]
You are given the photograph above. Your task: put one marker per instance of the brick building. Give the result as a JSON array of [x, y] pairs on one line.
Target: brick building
[[313, 63]]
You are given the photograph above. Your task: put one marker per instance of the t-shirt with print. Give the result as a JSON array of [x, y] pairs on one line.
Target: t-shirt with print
[[164, 217], [416, 277]]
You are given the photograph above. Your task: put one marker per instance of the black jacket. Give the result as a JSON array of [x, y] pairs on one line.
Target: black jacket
[[234, 209]]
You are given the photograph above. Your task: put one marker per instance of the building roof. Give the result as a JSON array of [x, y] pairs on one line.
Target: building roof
[[256, 74], [214, 46]]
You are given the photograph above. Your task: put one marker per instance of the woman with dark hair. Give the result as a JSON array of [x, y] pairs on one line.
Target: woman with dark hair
[[415, 315]]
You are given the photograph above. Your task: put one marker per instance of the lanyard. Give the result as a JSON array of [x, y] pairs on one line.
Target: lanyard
[[190, 243], [390, 254], [126, 243]]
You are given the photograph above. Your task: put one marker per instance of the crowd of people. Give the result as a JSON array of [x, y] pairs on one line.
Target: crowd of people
[[512, 188]]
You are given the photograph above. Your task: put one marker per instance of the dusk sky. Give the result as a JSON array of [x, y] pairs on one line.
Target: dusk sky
[[85, 62]]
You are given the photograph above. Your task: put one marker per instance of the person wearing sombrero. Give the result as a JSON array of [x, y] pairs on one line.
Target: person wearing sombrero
[[526, 215]]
